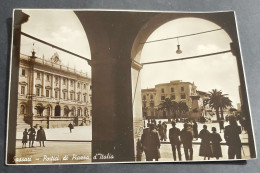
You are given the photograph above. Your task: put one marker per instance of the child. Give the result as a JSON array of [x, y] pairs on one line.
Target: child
[[25, 138]]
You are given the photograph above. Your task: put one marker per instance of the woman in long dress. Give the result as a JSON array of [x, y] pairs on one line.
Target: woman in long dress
[[205, 148], [25, 138]]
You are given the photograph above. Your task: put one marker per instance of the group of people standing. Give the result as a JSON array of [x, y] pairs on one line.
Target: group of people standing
[[40, 136], [210, 145]]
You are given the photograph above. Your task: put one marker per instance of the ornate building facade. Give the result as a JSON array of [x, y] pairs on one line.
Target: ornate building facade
[[52, 95], [177, 91]]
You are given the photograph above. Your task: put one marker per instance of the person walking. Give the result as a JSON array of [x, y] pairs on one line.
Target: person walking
[[41, 137], [31, 133], [205, 148], [186, 140], [231, 135], [221, 125], [25, 138], [195, 130], [216, 139], [151, 143], [70, 127], [164, 131], [160, 130], [174, 136]]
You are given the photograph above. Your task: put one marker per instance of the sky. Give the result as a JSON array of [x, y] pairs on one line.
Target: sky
[[61, 28], [213, 72]]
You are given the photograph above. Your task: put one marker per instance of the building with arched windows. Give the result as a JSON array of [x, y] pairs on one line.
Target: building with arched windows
[[52, 95]]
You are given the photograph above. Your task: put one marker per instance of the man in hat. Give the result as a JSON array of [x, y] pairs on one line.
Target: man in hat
[[151, 143], [231, 135], [186, 140], [174, 134], [31, 133], [41, 137]]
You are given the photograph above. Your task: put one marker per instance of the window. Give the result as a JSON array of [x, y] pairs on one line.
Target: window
[[48, 77], [151, 104], [78, 97], [38, 75], [84, 98], [182, 88], [172, 89], [151, 96], [47, 93], [64, 81], [56, 94], [173, 97], [37, 91], [71, 96], [78, 112], [71, 82], [23, 72], [22, 89], [162, 90], [78, 85], [162, 97], [84, 86], [22, 110], [64, 95], [183, 96], [144, 97]]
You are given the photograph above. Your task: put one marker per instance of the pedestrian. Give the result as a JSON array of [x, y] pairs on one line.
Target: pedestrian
[[205, 148], [151, 143], [31, 133], [139, 150], [216, 139], [41, 137], [186, 140], [195, 130], [164, 131], [231, 135], [221, 125], [70, 127], [174, 136], [25, 138], [160, 130]]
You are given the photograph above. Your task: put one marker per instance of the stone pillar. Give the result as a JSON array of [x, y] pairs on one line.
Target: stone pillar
[[19, 19], [195, 112]]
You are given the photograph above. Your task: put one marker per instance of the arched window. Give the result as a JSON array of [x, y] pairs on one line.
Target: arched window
[[22, 109]]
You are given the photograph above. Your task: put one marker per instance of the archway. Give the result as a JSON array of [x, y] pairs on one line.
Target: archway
[[57, 111]]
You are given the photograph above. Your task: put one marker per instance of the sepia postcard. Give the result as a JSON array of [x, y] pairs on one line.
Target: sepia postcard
[[95, 86]]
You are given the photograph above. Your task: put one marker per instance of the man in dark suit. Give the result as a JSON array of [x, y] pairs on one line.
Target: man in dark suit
[[231, 135], [174, 134], [186, 140], [151, 143]]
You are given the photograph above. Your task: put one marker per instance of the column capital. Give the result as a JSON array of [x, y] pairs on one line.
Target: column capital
[[136, 65]]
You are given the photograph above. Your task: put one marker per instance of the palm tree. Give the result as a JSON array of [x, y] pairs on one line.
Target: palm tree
[[214, 100], [224, 103], [166, 105], [174, 108], [182, 107], [40, 109]]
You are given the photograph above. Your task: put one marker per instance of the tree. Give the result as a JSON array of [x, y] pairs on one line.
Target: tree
[[183, 108], [224, 103], [218, 101], [40, 109], [214, 100], [166, 105], [67, 111]]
